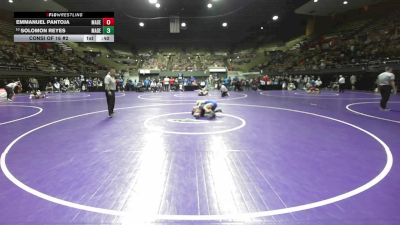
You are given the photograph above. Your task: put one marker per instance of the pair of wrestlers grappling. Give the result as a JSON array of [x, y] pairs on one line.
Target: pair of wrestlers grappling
[[205, 109], [208, 108]]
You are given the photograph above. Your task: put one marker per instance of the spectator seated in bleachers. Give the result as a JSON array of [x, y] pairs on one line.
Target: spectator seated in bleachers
[[291, 86], [57, 87], [311, 88], [49, 88]]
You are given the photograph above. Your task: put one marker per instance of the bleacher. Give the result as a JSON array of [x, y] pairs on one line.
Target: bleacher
[[6, 28], [376, 41]]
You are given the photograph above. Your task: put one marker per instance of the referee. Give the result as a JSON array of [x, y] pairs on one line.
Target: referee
[[110, 87], [386, 83]]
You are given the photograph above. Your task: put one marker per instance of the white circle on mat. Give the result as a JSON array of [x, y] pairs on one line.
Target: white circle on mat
[[223, 217], [40, 110], [194, 98], [147, 124], [314, 96], [321, 94], [67, 96], [33, 101], [193, 121], [348, 107]]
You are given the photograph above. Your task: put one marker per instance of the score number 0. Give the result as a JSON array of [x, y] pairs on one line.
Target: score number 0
[[108, 21]]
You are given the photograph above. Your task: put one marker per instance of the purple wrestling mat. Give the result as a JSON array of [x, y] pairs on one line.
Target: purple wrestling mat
[[273, 157]]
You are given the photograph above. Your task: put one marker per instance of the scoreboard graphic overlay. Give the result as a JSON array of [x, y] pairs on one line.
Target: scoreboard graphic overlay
[[64, 26]]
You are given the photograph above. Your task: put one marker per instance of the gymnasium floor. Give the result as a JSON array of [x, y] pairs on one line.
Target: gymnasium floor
[[275, 158]]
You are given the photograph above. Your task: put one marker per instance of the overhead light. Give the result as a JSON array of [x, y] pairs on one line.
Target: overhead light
[[262, 28], [345, 2], [10, 1], [224, 24], [209, 5], [158, 5], [141, 24], [152, 1], [315, 0], [183, 24], [275, 17]]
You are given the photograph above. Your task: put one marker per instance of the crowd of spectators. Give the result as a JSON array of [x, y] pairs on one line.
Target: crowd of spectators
[[178, 60], [298, 82], [44, 57], [362, 43], [58, 84], [368, 44], [181, 83], [165, 84], [240, 58], [373, 43]]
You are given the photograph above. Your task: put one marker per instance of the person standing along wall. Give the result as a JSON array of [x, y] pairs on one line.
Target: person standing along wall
[[342, 83], [353, 80], [110, 85], [385, 85], [166, 84]]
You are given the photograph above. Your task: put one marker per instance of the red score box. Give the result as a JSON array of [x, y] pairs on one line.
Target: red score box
[[108, 21]]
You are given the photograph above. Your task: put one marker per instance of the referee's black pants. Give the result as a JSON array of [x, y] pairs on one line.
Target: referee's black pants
[[385, 93], [110, 95], [341, 88]]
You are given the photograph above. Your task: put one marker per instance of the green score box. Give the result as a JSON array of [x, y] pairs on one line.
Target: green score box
[[108, 30]]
